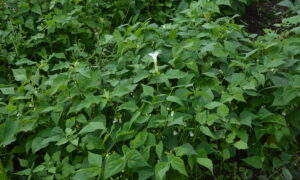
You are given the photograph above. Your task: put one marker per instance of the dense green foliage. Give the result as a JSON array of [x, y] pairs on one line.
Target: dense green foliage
[[146, 89]]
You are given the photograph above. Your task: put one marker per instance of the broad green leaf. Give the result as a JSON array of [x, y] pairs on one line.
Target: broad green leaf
[[213, 105], [139, 140], [130, 106], [59, 55], [95, 159], [224, 2], [8, 131], [161, 168], [147, 90], [36, 9], [191, 64], [205, 130], [175, 74], [99, 123], [135, 159], [175, 100], [223, 110], [185, 149], [206, 163], [159, 149], [254, 161], [120, 91], [178, 164], [86, 103], [8, 90], [20, 74], [201, 117], [241, 145], [114, 164]]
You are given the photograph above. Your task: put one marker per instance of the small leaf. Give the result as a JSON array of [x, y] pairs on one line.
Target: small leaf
[[161, 168], [185, 149], [201, 117], [206, 163], [20, 74], [114, 164], [175, 74], [8, 90], [135, 159], [213, 105], [241, 145], [95, 159], [175, 99], [205, 130], [120, 91], [159, 149], [139, 140], [130, 106], [178, 164], [254, 161], [147, 90], [97, 124]]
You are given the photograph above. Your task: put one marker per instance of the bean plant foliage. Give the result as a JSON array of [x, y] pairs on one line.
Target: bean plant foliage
[[117, 89]]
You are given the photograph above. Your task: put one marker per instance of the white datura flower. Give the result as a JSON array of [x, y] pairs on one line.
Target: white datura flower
[[172, 113], [175, 133], [192, 134], [154, 56]]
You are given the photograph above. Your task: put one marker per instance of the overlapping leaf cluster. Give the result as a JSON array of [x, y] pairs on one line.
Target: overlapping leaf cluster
[[84, 97]]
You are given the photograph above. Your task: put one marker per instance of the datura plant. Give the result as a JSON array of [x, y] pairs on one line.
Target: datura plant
[[146, 90]]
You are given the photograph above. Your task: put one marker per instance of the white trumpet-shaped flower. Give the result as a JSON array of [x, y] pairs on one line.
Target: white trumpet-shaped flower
[[154, 58], [192, 134], [172, 113], [175, 133]]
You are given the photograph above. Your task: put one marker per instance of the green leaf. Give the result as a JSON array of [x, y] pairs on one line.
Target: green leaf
[[223, 110], [178, 164], [185, 149], [135, 159], [95, 159], [159, 149], [175, 99], [224, 2], [36, 9], [287, 174], [254, 161], [114, 164], [148, 90], [192, 65], [130, 106], [120, 91], [8, 131], [140, 139], [241, 145], [161, 168], [201, 117], [175, 74], [8, 90], [99, 123], [59, 55], [20, 74], [205, 130], [86, 103], [206, 163], [213, 105]]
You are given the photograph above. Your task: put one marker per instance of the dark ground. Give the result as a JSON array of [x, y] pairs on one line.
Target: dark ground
[[262, 15]]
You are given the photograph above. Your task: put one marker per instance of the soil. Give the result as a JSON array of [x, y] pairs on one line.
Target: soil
[[263, 15]]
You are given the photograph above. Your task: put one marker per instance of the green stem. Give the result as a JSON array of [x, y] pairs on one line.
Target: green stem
[[3, 175]]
